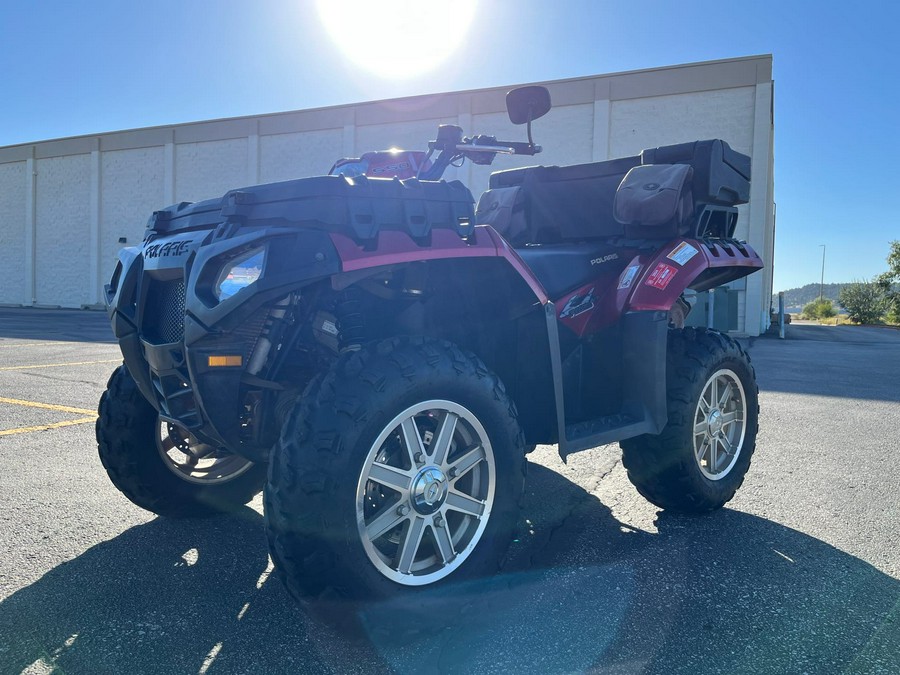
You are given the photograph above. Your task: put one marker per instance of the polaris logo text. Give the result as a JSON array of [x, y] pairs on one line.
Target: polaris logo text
[[606, 258], [170, 249]]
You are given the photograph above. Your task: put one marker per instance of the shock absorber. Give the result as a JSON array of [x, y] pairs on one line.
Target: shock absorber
[[264, 344], [351, 323]]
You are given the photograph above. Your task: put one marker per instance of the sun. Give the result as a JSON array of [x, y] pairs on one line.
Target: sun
[[397, 39]]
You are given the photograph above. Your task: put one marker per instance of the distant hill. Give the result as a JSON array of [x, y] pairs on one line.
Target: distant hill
[[795, 298]]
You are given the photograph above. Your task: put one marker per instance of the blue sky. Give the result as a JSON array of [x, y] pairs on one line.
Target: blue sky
[[94, 66]]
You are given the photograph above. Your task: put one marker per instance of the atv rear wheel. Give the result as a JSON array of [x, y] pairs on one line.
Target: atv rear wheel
[[161, 467], [405, 466], [699, 460]]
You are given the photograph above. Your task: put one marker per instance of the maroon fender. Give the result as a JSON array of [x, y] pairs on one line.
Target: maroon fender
[[661, 278], [654, 281], [396, 247]]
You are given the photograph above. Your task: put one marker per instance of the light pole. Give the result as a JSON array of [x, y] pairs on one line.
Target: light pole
[[822, 280]]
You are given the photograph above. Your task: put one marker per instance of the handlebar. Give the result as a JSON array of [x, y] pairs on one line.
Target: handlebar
[[481, 149], [482, 144], [522, 148]]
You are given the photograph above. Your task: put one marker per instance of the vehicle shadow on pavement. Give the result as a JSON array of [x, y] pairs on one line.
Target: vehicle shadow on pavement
[[580, 592]]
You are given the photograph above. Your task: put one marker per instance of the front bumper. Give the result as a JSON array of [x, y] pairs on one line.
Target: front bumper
[[168, 321]]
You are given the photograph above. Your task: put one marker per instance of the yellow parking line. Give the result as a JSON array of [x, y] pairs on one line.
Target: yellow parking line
[[44, 427], [59, 365], [48, 406], [34, 344]]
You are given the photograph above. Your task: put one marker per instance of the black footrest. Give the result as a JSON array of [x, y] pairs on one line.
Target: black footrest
[[603, 430]]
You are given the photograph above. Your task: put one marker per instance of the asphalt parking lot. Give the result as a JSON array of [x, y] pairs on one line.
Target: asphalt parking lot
[[800, 573]]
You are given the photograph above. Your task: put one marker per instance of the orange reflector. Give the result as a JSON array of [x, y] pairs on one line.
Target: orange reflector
[[225, 361]]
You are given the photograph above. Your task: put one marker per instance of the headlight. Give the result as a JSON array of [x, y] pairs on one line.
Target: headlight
[[240, 272]]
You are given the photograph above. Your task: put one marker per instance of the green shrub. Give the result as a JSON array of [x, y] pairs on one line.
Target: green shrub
[[819, 309], [864, 301]]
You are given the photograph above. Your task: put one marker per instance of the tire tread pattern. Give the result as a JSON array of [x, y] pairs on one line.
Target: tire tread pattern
[[310, 543], [125, 429], [662, 467]]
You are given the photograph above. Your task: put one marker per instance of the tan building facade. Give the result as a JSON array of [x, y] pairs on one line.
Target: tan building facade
[[67, 205]]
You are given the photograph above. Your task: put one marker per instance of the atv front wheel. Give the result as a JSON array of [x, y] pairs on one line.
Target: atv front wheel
[[162, 468], [405, 466], [699, 460]]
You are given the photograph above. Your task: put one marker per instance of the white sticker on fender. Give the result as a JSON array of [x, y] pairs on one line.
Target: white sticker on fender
[[628, 277], [682, 253]]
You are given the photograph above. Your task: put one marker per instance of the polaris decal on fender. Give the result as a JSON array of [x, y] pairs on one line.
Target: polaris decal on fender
[[605, 258], [661, 276]]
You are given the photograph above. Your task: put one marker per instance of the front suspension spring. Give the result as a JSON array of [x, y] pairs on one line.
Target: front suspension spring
[[351, 323]]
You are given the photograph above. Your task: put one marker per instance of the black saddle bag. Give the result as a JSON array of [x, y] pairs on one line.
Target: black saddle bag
[[655, 201]]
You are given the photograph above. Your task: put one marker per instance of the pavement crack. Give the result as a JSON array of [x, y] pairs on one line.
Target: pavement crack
[[59, 379], [597, 478]]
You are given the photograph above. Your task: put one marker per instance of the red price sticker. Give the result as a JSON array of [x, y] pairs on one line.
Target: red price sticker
[[661, 276]]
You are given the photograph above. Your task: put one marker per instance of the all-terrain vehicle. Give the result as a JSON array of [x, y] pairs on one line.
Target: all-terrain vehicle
[[379, 355]]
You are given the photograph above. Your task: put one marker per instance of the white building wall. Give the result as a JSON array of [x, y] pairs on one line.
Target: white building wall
[[209, 169], [12, 233], [62, 230], [96, 190], [306, 153], [648, 122], [132, 187], [761, 233]]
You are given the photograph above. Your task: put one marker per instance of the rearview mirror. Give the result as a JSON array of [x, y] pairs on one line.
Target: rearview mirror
[[526, 104]]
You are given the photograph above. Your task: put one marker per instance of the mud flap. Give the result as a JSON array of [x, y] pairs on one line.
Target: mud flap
[[643, 411], [644, 340]]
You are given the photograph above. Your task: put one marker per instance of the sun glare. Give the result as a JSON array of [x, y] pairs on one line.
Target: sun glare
[[397, 39]]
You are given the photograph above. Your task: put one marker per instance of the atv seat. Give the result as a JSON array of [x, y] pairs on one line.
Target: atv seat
[[652, 196], [564, 267]]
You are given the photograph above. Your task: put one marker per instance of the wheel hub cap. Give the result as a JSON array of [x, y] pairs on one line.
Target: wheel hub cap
[[425, 492], [715, 423], [429, 490], [194, 461], [720, 424]]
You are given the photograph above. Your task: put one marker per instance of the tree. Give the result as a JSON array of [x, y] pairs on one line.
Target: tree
[[893, 259], [864, 301], [887, 283], [822, 308]]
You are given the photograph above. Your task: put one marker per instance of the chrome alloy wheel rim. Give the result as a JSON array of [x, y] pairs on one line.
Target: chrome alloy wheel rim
[[196, 462], [425, 492], [720, 423]]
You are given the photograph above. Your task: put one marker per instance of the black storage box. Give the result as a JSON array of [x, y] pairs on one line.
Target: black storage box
[[359, 207], [721, 175]]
